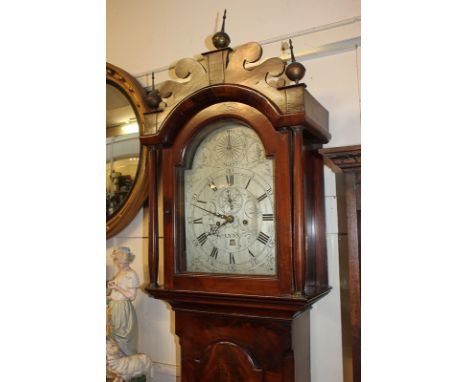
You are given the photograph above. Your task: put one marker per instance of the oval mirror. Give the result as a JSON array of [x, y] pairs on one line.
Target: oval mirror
[[126, 159]]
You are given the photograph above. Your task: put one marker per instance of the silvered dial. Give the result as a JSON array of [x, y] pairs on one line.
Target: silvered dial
[[229, 205]]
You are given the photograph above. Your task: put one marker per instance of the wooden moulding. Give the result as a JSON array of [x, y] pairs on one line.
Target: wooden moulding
[[130, 207], [343, 159], [238, 68], [253, 306], [314, 118]]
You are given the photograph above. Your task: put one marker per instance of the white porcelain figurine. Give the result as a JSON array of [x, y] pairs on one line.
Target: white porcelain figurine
[[125, 367], [122, 337]]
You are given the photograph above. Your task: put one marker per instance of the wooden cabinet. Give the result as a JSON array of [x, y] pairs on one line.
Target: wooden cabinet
[[346, 163]]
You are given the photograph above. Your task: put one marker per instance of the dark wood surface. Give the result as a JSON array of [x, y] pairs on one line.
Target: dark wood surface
[[274, 307], [316, 247], [233, 338], [153, 232], [354, 268], [298, 199], [215, 365], [346, 162], [343, 159], [234, 349]]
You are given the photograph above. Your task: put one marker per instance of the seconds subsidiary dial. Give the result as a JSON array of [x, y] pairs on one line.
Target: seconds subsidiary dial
[[229, 205]]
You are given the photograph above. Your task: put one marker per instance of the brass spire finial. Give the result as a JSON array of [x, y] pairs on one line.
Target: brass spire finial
[[291, 48], [224, 20], [295, 70], [221, 39]]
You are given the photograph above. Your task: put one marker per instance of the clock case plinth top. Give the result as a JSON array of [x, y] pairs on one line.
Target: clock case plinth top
[[276, 307]]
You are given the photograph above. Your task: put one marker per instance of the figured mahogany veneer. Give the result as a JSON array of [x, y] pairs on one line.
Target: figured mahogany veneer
[[216, 364], [232, 349]]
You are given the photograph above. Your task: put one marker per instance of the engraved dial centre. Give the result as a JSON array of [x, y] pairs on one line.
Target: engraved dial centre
[[229, 205]]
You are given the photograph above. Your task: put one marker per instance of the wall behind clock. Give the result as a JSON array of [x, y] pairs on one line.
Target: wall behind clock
[[148, 35]]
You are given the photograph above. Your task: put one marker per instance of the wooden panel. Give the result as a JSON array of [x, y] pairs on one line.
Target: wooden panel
[[314, 208], [243, 348], [217, 364], [354, 273], [153, 242], [299, 254]]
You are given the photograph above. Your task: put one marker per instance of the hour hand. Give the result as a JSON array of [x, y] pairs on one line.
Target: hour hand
[[214, 230]]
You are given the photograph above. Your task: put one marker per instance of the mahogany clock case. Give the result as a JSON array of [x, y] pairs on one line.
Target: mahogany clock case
[[240, 326]]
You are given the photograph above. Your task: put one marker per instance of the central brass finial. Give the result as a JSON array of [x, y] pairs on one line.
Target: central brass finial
[[153, 98], [221, 39]]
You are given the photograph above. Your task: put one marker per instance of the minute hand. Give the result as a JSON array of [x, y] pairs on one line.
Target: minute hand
[[213, 213]]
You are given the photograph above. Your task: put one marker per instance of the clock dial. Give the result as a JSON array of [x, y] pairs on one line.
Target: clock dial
[[229, 205]]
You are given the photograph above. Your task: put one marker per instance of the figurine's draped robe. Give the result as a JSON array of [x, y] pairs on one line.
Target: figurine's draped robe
[[123, 319]]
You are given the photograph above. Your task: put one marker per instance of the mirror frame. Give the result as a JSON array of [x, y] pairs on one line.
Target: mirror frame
[[135, 94]]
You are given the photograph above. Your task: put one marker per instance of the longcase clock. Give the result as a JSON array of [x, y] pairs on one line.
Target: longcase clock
[[243, 213]]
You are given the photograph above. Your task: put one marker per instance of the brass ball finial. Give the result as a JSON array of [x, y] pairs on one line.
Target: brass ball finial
[[153, 98], [221, 39], [295, 70]]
